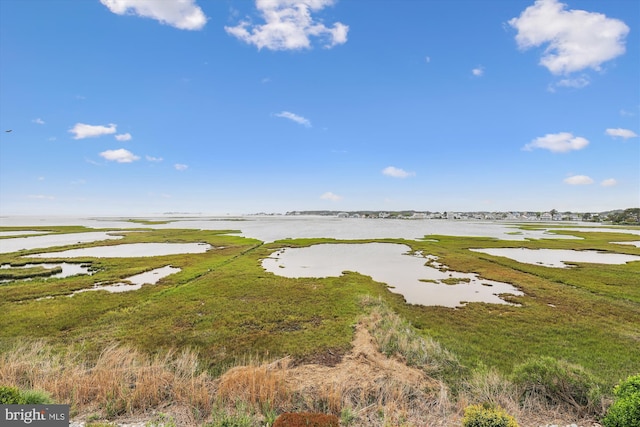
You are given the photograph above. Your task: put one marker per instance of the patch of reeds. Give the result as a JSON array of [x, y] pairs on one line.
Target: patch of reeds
[[120, 381], [395, 336], [366, 387], [386, 379]]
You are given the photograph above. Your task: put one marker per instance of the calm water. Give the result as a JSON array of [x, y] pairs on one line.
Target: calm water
[[271, 228], [15, 244], [134, 282], [558, 257], [129, 250], [68, 269], [417, 277]]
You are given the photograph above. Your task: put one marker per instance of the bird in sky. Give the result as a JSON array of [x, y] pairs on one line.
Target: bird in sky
[[10, 130]]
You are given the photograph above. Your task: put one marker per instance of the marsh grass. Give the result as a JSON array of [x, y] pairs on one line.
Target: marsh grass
[[120, 381], [223, 306]]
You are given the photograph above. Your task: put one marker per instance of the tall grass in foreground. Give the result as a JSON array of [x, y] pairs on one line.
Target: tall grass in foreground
[[121, 381], [386, 379]]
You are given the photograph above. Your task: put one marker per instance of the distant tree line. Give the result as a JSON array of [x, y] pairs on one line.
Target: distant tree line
[[628, 216]]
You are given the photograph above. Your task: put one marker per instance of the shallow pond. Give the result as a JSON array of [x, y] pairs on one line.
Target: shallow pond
[[50, 240], [135, 282], [68, 269], [19, 233], [557, 257], [129, 250], [392, 264]]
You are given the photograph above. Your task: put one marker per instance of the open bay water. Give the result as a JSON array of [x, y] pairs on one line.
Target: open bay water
[[270, 228]]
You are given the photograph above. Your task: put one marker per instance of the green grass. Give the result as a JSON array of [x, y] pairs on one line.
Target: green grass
[[225, 305]]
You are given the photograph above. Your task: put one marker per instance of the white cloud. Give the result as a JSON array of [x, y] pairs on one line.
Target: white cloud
[[121, 156], [578, 180], [478, 71], [180, 167], [294, 117], [576, 83], [622, 133], [38, 121], [427, 59], [181, 14], [289, 26], [609, 182], [396, 172], [153, 159], [331, 196], [123, 137], [82, 130], [558, 142], [576, 39]]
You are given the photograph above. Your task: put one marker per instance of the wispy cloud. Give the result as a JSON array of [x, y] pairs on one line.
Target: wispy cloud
[[120, 156], [289, 26], [578, 180], [609, 182], [123, 137], [576, 83], [40, 197], [82, 130], [181, 14], [558, 142], [331, 196], [576, 39], [396, 172], [38, 121], [180, 167], [294, 117], [153, 159], [478, 71], [621, 133]]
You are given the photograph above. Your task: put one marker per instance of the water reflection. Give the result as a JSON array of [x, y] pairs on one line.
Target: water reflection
[[50, 240], [68, 269], [19, 233], [420, 279], [557, 257], [129, 250], [134, 282]]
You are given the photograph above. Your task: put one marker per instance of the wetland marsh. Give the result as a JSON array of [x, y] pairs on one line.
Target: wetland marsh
[[247, 297]]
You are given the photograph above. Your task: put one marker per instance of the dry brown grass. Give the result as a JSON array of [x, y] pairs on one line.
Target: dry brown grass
[[377, 389], [124, 382], [121, 380], [371, 388]]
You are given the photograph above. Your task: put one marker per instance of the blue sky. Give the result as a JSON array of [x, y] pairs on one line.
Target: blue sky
[[131, 107]]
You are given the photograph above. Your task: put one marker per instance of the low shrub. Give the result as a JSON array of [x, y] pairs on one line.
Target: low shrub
[[10, 396], [559, 383], [625, 410], [487, 416], [36, 397], [306, 419]]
